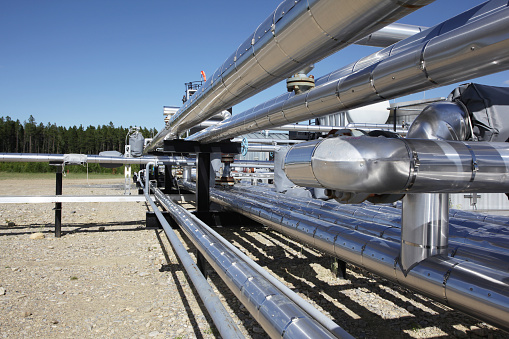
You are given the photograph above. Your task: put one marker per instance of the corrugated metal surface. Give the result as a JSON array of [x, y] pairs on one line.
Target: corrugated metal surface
[[479, 202]]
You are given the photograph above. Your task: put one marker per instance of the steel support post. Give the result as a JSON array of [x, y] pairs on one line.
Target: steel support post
[[156, 174], [58, 205], [168, 179], [203, 182], [201, 262]]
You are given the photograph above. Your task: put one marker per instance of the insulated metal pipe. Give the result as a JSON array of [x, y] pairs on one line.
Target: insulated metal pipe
[[471, 240], [274, 311], [298, 33], [397, 166], [471, 237], [480, 291], [222, 320], [472, 44], [390, 34], [326, 129], [93, 159], [425, 216]]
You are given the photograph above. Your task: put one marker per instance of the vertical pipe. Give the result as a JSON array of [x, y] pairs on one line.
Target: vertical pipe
[[186, 174], [424, 227], [203, 182], [425, 216], [58, 205]]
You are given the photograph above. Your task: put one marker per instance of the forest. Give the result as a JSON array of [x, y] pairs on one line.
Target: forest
[[32, 137]]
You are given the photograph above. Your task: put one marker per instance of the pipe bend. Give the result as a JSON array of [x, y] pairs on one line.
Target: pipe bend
[[441, 121]]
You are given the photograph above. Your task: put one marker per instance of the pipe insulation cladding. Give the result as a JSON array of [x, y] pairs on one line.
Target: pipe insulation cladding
[[472, 44], [480, 291], [382, 165], [298, 33]]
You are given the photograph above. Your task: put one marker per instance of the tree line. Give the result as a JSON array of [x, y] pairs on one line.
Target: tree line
[[32, 137]]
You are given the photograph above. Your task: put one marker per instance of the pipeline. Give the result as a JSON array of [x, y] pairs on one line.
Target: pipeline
[[390, 35], [472, 44], [477, 290], [295, 35], [471, 240], [398, 166], [270, 305], [75, 159], [224, 323]]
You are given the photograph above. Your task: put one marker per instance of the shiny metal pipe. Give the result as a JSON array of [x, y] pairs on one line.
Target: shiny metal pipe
[[262, 148], [297, 34], [269, 141], [470, 239], [252, 165], [398, 166], [93, 159], [474, 289], [308, 308], [270, 306], [31, 157], [469, 45], [474, 241], [424, 228], [425, 216], [222, 320], [390, 35], [326, 129]]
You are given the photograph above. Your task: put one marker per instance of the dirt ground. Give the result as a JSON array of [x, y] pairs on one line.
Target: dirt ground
[[110, 276]]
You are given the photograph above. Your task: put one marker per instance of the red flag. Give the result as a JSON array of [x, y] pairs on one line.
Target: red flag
[[203, 76]]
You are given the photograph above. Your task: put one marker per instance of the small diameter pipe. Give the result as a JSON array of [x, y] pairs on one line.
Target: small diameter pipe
[[317, 315], [224, 323], [304, 321]]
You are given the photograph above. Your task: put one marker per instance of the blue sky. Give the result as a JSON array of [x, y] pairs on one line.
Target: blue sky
[[95, 61]]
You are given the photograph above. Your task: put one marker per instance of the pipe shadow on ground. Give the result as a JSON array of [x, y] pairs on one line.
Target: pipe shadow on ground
[[296, 269], [78, 228]]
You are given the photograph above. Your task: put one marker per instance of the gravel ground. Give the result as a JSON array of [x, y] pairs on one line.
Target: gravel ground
[[109, 276]]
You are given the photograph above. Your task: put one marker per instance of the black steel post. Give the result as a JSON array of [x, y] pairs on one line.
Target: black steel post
[[168, 179], [58, 205], [201, 262], [156, 174], [203, 182]]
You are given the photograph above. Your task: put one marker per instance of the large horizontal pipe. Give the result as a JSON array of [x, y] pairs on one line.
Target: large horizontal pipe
[[295, 35], [270, 306], [74, 159], [473, 240], [477, 290], [472, 44], [269, 141], [390, 34], [222, 320], [326, 129], [398, 166]]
